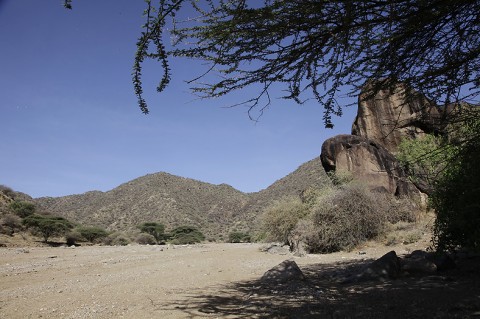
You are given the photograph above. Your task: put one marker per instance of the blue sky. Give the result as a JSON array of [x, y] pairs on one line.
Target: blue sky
[[69, 121]]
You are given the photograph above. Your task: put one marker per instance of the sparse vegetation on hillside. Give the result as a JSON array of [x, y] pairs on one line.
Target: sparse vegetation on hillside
[[22, 208]]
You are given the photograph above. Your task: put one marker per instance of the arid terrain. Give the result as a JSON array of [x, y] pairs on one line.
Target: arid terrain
[[219, 281]]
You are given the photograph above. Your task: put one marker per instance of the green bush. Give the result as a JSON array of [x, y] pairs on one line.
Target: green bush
[[184, 235], [22, 208], [7, 191], [92, 234], [47, 226], [456, 200], [155, 229], [239, 237]]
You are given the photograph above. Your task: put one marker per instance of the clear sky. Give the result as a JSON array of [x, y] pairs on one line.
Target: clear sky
[[69, 121]]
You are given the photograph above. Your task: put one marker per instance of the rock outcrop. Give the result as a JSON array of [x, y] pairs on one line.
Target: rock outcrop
[[383, 120], [367, 161], [388, 116]]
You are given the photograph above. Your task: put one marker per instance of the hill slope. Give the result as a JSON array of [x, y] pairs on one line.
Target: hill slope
[[174, 201]]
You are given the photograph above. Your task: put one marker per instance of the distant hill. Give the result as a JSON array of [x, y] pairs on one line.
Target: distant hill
[[174, 201]]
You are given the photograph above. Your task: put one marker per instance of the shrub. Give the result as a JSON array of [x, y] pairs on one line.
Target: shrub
[[456, 200], [239, 237], [184, 235], [155, 229], [22, 208], [145, 239], [73, 237], [10, 223], [117, 239], [92, 234], [7, 191], [47, 226], [344, 219], [280, 219]]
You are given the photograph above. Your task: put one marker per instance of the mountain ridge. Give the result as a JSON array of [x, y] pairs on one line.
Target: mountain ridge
[[175, 200]]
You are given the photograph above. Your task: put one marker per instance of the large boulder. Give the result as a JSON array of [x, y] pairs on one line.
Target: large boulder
[[368, 161], [389, 115]]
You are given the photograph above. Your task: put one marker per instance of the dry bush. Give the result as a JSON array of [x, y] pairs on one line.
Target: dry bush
[[117, 239], [344, 219], [10, 223], [145, 239], [280, 219]]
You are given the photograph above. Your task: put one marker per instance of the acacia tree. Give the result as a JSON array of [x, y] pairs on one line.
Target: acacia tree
[[316, 47]]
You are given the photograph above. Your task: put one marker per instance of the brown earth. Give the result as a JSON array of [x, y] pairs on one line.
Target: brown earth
[[220, 281]]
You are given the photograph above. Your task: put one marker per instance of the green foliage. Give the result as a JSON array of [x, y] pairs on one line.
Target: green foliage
[[456, 198], [22, 208], [239, 237], [425, 158], [47, 226], [184, 235], [92, 234], [155, 229], [322, 47]]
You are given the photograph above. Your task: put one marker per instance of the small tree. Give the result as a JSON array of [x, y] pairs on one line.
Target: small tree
[[22, 208], [92, 233], [48, 226], [239, 237], [155, 229], [186, 235]]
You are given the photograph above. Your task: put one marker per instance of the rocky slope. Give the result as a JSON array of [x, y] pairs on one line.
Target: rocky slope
[[173, 201]]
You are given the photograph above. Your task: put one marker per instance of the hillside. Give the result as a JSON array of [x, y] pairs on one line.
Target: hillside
[[174, 201]]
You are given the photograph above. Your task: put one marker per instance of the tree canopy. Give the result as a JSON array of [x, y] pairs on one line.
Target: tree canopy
[[315, 48]]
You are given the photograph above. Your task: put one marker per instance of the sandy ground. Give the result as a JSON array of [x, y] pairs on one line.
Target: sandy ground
[[211, 281]]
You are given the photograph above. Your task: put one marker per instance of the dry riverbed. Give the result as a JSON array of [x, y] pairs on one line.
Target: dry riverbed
[[212, 281]]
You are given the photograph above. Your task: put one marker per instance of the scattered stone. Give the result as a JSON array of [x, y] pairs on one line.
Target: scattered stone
[[286, 271]]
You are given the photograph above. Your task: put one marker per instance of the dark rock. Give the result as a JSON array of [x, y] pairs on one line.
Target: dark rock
[[386, 267], [368, 162], [284, 272], [444, 262]]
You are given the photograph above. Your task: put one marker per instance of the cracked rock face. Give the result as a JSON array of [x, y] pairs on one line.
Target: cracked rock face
[[383, 120], [389, 115]]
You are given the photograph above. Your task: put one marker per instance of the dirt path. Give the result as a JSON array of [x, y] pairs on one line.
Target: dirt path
[[212, 281]]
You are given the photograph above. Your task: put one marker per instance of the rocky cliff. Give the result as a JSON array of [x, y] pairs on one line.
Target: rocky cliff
[[383, 120]]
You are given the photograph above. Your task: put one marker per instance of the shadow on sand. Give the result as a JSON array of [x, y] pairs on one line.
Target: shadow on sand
[[326, 294]]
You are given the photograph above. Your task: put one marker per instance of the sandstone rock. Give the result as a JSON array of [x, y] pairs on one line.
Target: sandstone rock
[[390, 115], [367, 161], [284, 272]]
